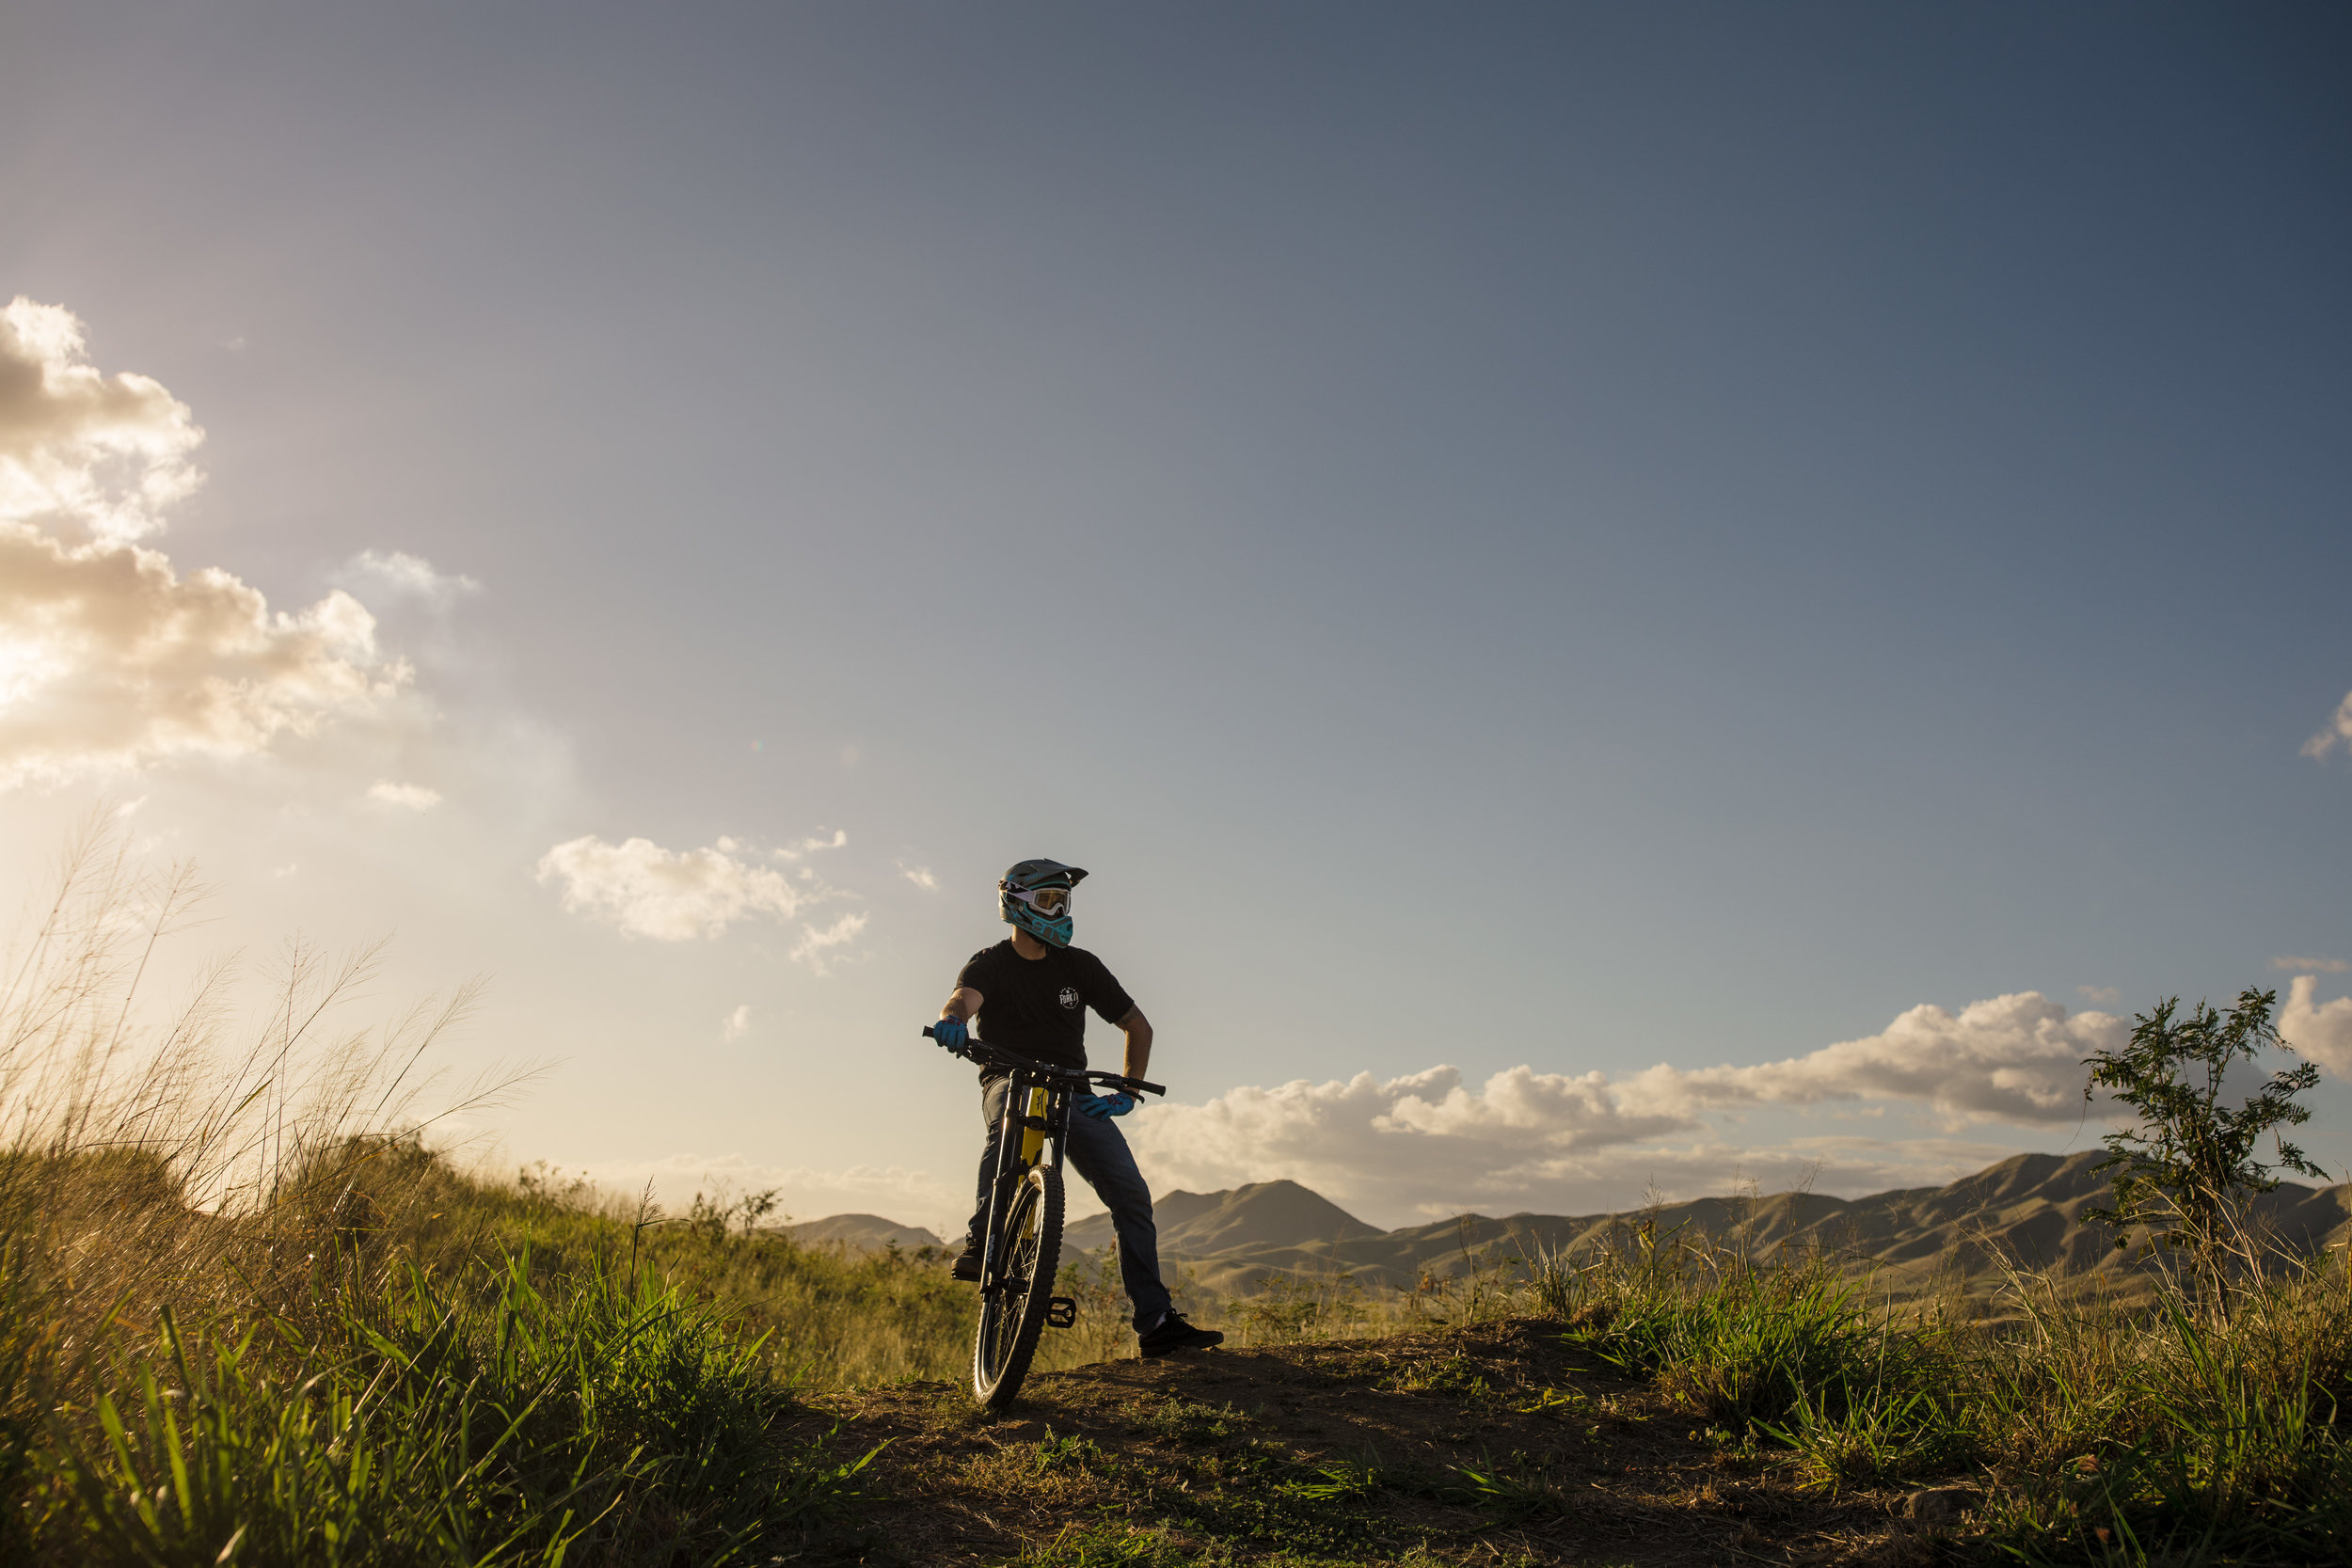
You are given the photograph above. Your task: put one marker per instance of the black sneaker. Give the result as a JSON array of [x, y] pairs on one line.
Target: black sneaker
[[1174, 1333], [968, 1264]]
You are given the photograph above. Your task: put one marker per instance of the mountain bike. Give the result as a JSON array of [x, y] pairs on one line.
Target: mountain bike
[[1021, 1240]]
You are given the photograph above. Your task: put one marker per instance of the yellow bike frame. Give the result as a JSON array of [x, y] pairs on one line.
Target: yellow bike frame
[[1033, 1137]]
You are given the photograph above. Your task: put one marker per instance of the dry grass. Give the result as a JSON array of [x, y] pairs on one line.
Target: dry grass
[[152, 1162], [245, 1316]]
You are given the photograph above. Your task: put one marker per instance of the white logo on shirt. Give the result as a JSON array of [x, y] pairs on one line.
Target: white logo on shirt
[[1069, 996]]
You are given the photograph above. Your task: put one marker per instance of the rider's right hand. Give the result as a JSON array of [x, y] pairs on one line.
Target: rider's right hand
[[949, 1034]]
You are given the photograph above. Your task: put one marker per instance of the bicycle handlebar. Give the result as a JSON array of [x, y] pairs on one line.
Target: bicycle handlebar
[[985, 1054]]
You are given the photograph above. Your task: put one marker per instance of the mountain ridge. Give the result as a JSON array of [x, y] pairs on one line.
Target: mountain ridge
[[1258, 1214], [858, 1232], [2025, 1209]]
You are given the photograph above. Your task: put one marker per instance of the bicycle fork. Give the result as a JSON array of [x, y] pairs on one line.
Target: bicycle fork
[[1028, 1109]]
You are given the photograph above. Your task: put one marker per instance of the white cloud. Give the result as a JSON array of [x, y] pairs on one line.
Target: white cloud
[[2321, 1032], [2336, 732], [737, 1024], [404, 797], [1431, 1141], [2315, 966], [110, 658], [816, 947], [1365, 1135], [2106, 996], [79, 451], [2013, 1058], [399, 575], [670, 896], [920, 875], [800, 847], [1426, 1144]]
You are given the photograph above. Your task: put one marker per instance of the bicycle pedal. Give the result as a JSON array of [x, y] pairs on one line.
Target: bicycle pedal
[[1061, 1312]]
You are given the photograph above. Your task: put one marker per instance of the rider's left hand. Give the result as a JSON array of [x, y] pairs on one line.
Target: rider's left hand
[[1101, 1106]]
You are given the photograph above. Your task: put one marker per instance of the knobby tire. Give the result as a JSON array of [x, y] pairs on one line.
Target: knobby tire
[[1006, 1339]]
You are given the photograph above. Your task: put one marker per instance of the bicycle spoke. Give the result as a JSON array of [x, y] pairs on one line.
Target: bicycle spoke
[[1014, 1310]]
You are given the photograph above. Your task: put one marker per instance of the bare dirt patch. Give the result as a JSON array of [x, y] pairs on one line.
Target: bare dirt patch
[[1501, 1443]]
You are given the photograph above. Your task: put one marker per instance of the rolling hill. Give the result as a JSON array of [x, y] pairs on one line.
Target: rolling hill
[[2027, 1208], [860, 1232], [1263, 1213]]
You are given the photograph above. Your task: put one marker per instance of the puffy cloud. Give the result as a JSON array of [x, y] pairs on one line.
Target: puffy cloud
[[1432, 1142], [920, 875], [737, 1024], [80, 449], [396, 573], [404, 797], [2014, 1058], [1518, 1128], [2321, 1032], [670, 896], [816, 947], [1426, 1144], [2108, 995], [109, 657], [2336, 732], [2315, 966], [800, 847]]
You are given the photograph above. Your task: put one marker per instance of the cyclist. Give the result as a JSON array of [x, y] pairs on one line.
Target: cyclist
[[1030, 994]]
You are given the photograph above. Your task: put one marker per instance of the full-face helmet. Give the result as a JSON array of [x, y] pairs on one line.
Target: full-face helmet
[[1034, 897]]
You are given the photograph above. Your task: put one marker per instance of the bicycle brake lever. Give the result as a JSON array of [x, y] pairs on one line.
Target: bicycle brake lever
[[1136, 1085]]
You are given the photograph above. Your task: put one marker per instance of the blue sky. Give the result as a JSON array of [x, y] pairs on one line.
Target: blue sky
[[1577, 537]]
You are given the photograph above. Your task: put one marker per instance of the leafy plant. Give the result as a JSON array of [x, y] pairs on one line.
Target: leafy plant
[[1070, 1452], [714, 1218], [2184, 1170], [1508, 1490]]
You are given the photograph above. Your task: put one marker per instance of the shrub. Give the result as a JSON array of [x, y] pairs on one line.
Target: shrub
[[2183, 1170]]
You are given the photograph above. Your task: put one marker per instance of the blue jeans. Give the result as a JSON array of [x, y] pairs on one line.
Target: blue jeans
[[1098, 1153]]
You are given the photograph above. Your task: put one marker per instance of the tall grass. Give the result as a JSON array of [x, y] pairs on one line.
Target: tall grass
[[823, 1316], [246, 1317], [2097, 1427]]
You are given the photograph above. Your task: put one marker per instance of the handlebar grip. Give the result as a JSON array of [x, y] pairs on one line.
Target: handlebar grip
[[1138, 1084]]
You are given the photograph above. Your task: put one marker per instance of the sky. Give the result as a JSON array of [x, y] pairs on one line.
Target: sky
[[1617, 599]]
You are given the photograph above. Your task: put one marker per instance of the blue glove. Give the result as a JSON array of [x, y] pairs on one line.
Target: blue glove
[[949, 1034], [1103, 1106]]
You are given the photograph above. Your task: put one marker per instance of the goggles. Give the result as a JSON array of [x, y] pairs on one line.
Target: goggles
[[1051, 902]]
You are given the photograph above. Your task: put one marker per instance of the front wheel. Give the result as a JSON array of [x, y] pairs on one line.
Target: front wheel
[[1011, 1314]]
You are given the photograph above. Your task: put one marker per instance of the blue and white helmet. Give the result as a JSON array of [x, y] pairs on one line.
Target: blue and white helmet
[[1034, 897]]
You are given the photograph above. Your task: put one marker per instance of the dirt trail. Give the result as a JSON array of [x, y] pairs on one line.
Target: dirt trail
[[1495, 1444]]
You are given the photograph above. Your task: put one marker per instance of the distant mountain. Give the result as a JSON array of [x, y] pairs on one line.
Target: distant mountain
[[2026, 1208], [860, 1232], [1262, 1214]]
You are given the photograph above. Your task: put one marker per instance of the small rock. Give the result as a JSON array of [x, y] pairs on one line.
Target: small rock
[[1939, 1505]]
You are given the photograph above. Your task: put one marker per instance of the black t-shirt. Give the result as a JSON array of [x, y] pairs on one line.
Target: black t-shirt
[[1038, 1005]]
